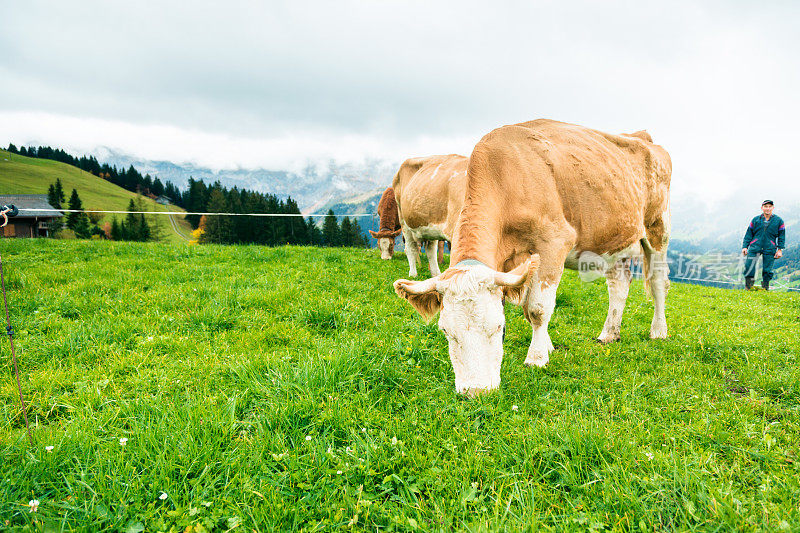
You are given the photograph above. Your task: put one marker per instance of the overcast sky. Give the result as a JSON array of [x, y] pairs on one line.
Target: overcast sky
[[274, 84]]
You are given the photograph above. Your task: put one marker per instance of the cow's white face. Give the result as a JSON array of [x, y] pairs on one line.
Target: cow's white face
[[472, 319], [386, 246]]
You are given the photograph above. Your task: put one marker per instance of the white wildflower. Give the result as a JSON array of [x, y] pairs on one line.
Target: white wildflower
[[49, 449], [649, 456], [515, 407], [339, 472], [163, 496], [394, 441], [123, 441], [34, 506], [308, 437]]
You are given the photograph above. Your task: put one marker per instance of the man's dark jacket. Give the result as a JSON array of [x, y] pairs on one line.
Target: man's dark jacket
[[765, 236]]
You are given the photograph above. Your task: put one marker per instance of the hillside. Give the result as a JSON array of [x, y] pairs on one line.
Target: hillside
[[289, 388], [26, 175]]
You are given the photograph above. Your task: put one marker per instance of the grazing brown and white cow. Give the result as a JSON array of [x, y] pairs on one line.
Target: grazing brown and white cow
[[430, 194], [541, 194], [389, 227]]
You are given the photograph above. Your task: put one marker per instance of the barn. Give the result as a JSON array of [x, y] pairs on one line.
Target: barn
[[34, 223]]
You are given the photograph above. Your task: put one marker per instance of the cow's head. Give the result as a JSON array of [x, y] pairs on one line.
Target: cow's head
[[385, 241], [471, 302]]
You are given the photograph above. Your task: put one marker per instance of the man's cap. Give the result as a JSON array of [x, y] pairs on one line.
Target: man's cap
[[765, 202]]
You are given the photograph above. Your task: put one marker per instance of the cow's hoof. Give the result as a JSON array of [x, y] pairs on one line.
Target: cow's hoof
[[474, 392], [537, 362], [658, 332], [607, 338]]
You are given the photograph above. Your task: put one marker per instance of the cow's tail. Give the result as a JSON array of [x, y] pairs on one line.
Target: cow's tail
[[648, 290]]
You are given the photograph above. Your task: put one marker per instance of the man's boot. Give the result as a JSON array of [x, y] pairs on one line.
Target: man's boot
[[748, 283], [765, 284]]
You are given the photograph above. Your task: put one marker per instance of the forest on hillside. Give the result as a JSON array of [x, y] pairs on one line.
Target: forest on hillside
[[199, 197]]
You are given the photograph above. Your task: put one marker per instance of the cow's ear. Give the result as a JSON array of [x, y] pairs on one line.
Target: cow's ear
[[422, 295], [513, 283]]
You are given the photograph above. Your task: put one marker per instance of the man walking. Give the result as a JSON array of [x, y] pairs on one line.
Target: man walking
[[766, 235]]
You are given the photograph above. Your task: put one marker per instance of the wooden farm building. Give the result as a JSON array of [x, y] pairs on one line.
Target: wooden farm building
[[35, 223]]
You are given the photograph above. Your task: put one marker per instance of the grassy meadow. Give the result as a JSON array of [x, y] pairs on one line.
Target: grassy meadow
[[29, 175], [246, 388]]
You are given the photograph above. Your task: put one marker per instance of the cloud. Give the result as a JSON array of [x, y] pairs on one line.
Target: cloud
[[162, 142], [270, 84]]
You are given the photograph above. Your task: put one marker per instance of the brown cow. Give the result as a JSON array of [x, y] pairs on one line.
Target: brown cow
[[541, 194], [430, 194], [389, 227]]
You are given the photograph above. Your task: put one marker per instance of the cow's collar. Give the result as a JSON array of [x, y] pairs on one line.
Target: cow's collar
[[471, 262]]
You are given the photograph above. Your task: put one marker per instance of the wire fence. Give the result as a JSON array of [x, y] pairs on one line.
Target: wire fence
[[22, 210]]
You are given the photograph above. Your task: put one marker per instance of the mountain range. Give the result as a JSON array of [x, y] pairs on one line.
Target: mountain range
[[355, 188]]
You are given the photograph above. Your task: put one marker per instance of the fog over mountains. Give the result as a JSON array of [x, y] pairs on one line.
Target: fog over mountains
[[318, 185], [714, 223]]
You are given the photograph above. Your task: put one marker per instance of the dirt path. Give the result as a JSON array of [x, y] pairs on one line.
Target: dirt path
[[177, 230]]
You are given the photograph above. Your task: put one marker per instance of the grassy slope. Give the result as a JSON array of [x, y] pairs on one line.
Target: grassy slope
[[290, 388], [30, 175]]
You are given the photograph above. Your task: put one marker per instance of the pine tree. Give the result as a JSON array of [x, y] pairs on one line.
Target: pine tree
[[353, 235], [82, 228], [195, 200], [52, 199], [158, 187], [59, 194], [330, 230], [144, 230], [218, 229], [298, 231], [78, 221], [346, 233], [131, 226], [116, 230], [75, 204], [314, 234]]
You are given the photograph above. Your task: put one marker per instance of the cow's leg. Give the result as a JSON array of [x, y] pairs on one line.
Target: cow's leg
[[431, 249], [539, 310], [539, 302], [656, 271], [618, 279], [412, 253]]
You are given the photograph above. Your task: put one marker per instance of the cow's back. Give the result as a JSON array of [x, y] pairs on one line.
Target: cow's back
[[430, 191], [608, 187]]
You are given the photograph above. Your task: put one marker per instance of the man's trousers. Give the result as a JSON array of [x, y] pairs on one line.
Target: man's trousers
[[752, 260]]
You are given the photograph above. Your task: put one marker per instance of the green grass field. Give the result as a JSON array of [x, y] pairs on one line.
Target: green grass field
[[289, 388], [30, 175]]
